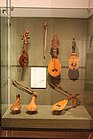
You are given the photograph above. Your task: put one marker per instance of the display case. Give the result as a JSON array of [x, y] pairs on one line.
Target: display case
[[46, 68]]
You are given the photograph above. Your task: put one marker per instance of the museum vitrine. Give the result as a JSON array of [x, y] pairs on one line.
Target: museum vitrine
[[46, 68]]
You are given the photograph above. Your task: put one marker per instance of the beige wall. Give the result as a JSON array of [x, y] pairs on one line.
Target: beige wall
[[65, 28], [51, 3]]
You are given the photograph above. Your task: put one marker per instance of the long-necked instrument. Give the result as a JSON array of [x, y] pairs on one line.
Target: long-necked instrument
[[32, 106], [23, 88], [73, 72], [59, 106], [23, 60], [54, 67], [45, 27]]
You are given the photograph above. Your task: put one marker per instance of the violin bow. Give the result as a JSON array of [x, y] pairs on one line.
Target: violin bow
[[45, 27]]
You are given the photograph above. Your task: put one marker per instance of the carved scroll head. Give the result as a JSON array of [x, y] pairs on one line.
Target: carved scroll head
[[55, 41], [73, 45]]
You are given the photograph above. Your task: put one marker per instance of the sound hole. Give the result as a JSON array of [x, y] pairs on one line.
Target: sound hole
[[54, 70], [58, 105]]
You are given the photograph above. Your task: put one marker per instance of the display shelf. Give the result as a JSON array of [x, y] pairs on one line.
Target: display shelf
[[77, 118]]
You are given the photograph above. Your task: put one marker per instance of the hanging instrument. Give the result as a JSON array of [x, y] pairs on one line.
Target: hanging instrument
[[73, 72], [54, 67], [23, 60]]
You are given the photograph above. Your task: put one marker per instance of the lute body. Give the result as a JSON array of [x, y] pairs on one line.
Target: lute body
[[32, 106], [16, 106], [73, 72], [54, 67], [23, 60]]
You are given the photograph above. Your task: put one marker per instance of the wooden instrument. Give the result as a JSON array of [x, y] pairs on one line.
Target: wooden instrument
[[23, 60], [32, 106], [73, 72], [73, 62], [23, 88], [45, 26], [59, 106], [54, 67], [16, 106]]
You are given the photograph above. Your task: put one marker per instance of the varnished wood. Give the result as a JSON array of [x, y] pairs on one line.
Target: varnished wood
[[49, 134], [59, 106], [23, 60], [16, 106], [24, 88], [73, 72], [32, 106], [54, 67], [73, 62]]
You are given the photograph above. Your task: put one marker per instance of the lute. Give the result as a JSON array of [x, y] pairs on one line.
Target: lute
[[59, 106], [54, 67], [73, 72], [32, 107]]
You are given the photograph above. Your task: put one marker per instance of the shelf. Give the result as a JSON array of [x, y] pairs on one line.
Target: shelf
[[76, 118]]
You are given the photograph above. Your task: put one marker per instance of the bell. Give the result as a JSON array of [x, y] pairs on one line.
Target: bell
[[15, 107], [32, 106]]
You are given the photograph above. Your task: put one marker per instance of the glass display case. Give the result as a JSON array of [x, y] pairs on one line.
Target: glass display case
[[46, 68]]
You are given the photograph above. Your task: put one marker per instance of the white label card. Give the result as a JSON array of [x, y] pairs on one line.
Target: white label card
[[38, 77]]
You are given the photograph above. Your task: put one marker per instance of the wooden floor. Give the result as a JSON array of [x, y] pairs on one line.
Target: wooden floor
[[47, 134]]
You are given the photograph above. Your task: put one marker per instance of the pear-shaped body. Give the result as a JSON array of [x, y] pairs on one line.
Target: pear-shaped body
[[23, 60], [16, 106], [32, 106]]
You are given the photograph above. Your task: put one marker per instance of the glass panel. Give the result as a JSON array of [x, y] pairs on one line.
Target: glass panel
[[69, 34], [89, 69], [4, 61]]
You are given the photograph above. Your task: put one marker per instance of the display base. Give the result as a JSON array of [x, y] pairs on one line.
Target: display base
[[74, 118]]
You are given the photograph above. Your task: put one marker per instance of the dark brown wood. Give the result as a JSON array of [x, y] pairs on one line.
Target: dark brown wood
[[23, 60], [49, 134]]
